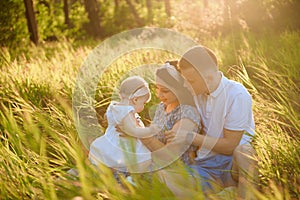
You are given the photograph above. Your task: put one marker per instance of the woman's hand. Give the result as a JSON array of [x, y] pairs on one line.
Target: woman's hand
[[122, 133], [119, 129]]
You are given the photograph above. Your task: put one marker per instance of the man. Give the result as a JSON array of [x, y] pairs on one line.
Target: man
[[225, 107]]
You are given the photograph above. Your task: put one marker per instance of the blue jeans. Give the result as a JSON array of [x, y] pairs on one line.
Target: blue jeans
[[214, 172]]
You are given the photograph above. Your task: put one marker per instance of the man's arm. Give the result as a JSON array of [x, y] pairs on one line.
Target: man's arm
[[184, 124], [225, 145], [237, 120], [164, 154]]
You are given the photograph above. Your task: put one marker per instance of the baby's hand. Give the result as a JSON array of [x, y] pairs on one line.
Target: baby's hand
[[154, 129]]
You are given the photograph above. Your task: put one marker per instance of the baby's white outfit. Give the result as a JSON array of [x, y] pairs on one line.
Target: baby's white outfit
[[115, 151]]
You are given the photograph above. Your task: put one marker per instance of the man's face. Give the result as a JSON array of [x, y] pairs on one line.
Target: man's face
[[196, 83]]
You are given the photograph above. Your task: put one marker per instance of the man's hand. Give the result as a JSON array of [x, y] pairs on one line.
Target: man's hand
[[186, 137], [169, 135]]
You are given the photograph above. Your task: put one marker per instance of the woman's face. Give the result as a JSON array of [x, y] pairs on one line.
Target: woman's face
[[165, 95]]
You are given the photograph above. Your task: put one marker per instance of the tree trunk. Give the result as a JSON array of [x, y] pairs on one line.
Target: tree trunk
[[205, 3], [168, 7], [92, 8], [31, 21], [149, 9], [117, 5], [66, 12], [134, 12]]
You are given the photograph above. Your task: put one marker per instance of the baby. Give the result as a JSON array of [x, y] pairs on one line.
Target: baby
[[114, 150]]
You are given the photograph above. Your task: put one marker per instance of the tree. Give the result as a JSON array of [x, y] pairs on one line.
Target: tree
[[149, 9], [137, 18], [168, 7], [205, 3], [13, 25], [31, 21], [66, 12], [92, 8], [117, 5]]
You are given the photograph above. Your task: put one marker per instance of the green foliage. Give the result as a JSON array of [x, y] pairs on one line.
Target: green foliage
[[186, 16], [51, 19], [117, 18], [78, 18], [13, 27], [275, 14]]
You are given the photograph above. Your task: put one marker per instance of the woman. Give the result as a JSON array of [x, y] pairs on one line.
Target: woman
[[175, 112]]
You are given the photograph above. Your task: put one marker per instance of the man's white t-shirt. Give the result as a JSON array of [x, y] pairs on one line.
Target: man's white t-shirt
[[229, 107]]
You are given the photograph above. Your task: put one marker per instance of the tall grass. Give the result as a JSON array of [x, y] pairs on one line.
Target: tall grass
[[39, 142], [269, 68]]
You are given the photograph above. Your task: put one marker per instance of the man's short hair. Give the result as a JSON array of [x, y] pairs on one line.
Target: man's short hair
[[198, 56]]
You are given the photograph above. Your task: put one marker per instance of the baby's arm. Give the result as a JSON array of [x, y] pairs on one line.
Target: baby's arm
[[129, 126]]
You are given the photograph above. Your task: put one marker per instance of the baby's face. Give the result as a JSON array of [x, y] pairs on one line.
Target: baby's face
[[139, 103]]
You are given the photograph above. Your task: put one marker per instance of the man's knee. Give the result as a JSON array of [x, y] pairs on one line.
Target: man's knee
[[244, 153]]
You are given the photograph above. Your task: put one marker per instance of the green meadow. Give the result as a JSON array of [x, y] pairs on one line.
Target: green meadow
[[39, 142]]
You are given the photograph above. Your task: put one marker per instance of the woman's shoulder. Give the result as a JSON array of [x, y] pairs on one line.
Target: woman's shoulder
[[159, 110], [186, 107], [161, 106], [189, 112]]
